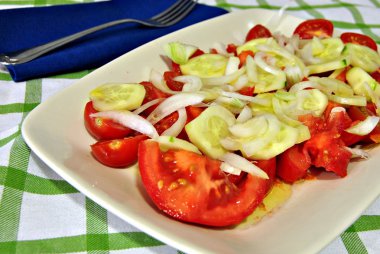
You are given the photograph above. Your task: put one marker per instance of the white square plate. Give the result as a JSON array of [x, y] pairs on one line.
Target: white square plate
[[317, 212]]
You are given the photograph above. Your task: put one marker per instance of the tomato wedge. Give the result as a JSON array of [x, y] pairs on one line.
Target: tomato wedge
[[360, 39], [293, 164], [192, 188], [102, 128], [326, 147], [328, 151], [376, 75], [258, 31], [151, 93], [170, 82], [320, 28], [117, 153], [243, 56]]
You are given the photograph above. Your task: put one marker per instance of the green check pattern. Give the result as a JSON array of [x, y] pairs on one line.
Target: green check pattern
[[42, 213]]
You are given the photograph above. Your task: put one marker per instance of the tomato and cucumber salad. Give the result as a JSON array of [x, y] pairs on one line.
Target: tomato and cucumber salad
[[223, 130]]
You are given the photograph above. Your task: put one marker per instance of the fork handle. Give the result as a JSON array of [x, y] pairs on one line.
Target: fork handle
[[32, 53]]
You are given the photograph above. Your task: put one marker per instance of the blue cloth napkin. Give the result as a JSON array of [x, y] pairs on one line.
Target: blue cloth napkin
[[27, 27]]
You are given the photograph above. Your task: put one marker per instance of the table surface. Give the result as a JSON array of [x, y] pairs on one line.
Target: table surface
[[40, 211]]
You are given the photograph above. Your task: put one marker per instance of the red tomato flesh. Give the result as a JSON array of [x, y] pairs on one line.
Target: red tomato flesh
[[258, 31], [328, 151], [293, 164], [325, 147], [151, 93], [102, 128], [360, 39], [170, 82], [320, 28], [376, 75], [192, 188], [243, 56], [117, 153]]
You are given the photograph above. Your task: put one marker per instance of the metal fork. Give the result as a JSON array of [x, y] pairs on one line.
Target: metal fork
[[168, 17]]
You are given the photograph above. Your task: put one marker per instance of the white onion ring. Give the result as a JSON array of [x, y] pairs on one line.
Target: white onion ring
[[174, 103], [217, 81], [243, 164], [146, 106], [130, 120]]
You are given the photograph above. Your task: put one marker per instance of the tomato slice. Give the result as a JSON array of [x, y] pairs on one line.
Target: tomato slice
[[193, 112], [293, 164], [102, 128], [258, 31], [315, 124], [376, 75], [151, 93], [243, 56], [117, 153], [360, 39], [338, 120], [165, 123], [328, 151], [320, 28], [231, 48], [191, 187], [270, 167], [170, 82], [342, 76], [247, 90], [326, 147], [198, 52]]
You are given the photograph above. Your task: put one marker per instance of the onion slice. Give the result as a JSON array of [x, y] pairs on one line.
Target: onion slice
[[174, 103], [242, 97], [146, 106], [243, 164], [245, 114], [217, 81], [192, 83], [177, 127], [259, 60], [130, 120], [158, 81], [364, 127], [227, 168]]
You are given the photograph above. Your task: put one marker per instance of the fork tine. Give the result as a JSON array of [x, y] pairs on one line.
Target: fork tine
[[168, 10], [179, 13]]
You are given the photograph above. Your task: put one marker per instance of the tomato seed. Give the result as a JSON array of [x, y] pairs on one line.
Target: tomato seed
[[160, 184], [182, 181], [173, 186]]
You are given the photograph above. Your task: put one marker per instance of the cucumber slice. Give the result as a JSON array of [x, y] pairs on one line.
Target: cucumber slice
[[312, 101], [356, 77], [205, 66], [268, 82], [261, 109], [253, 45], [117, 96], [286, 138], [328, 66], [208, 128], [362, 56], [327, 49], [275, 139]]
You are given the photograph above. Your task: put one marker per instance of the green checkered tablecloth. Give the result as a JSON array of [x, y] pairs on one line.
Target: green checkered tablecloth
[[41, 213]]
